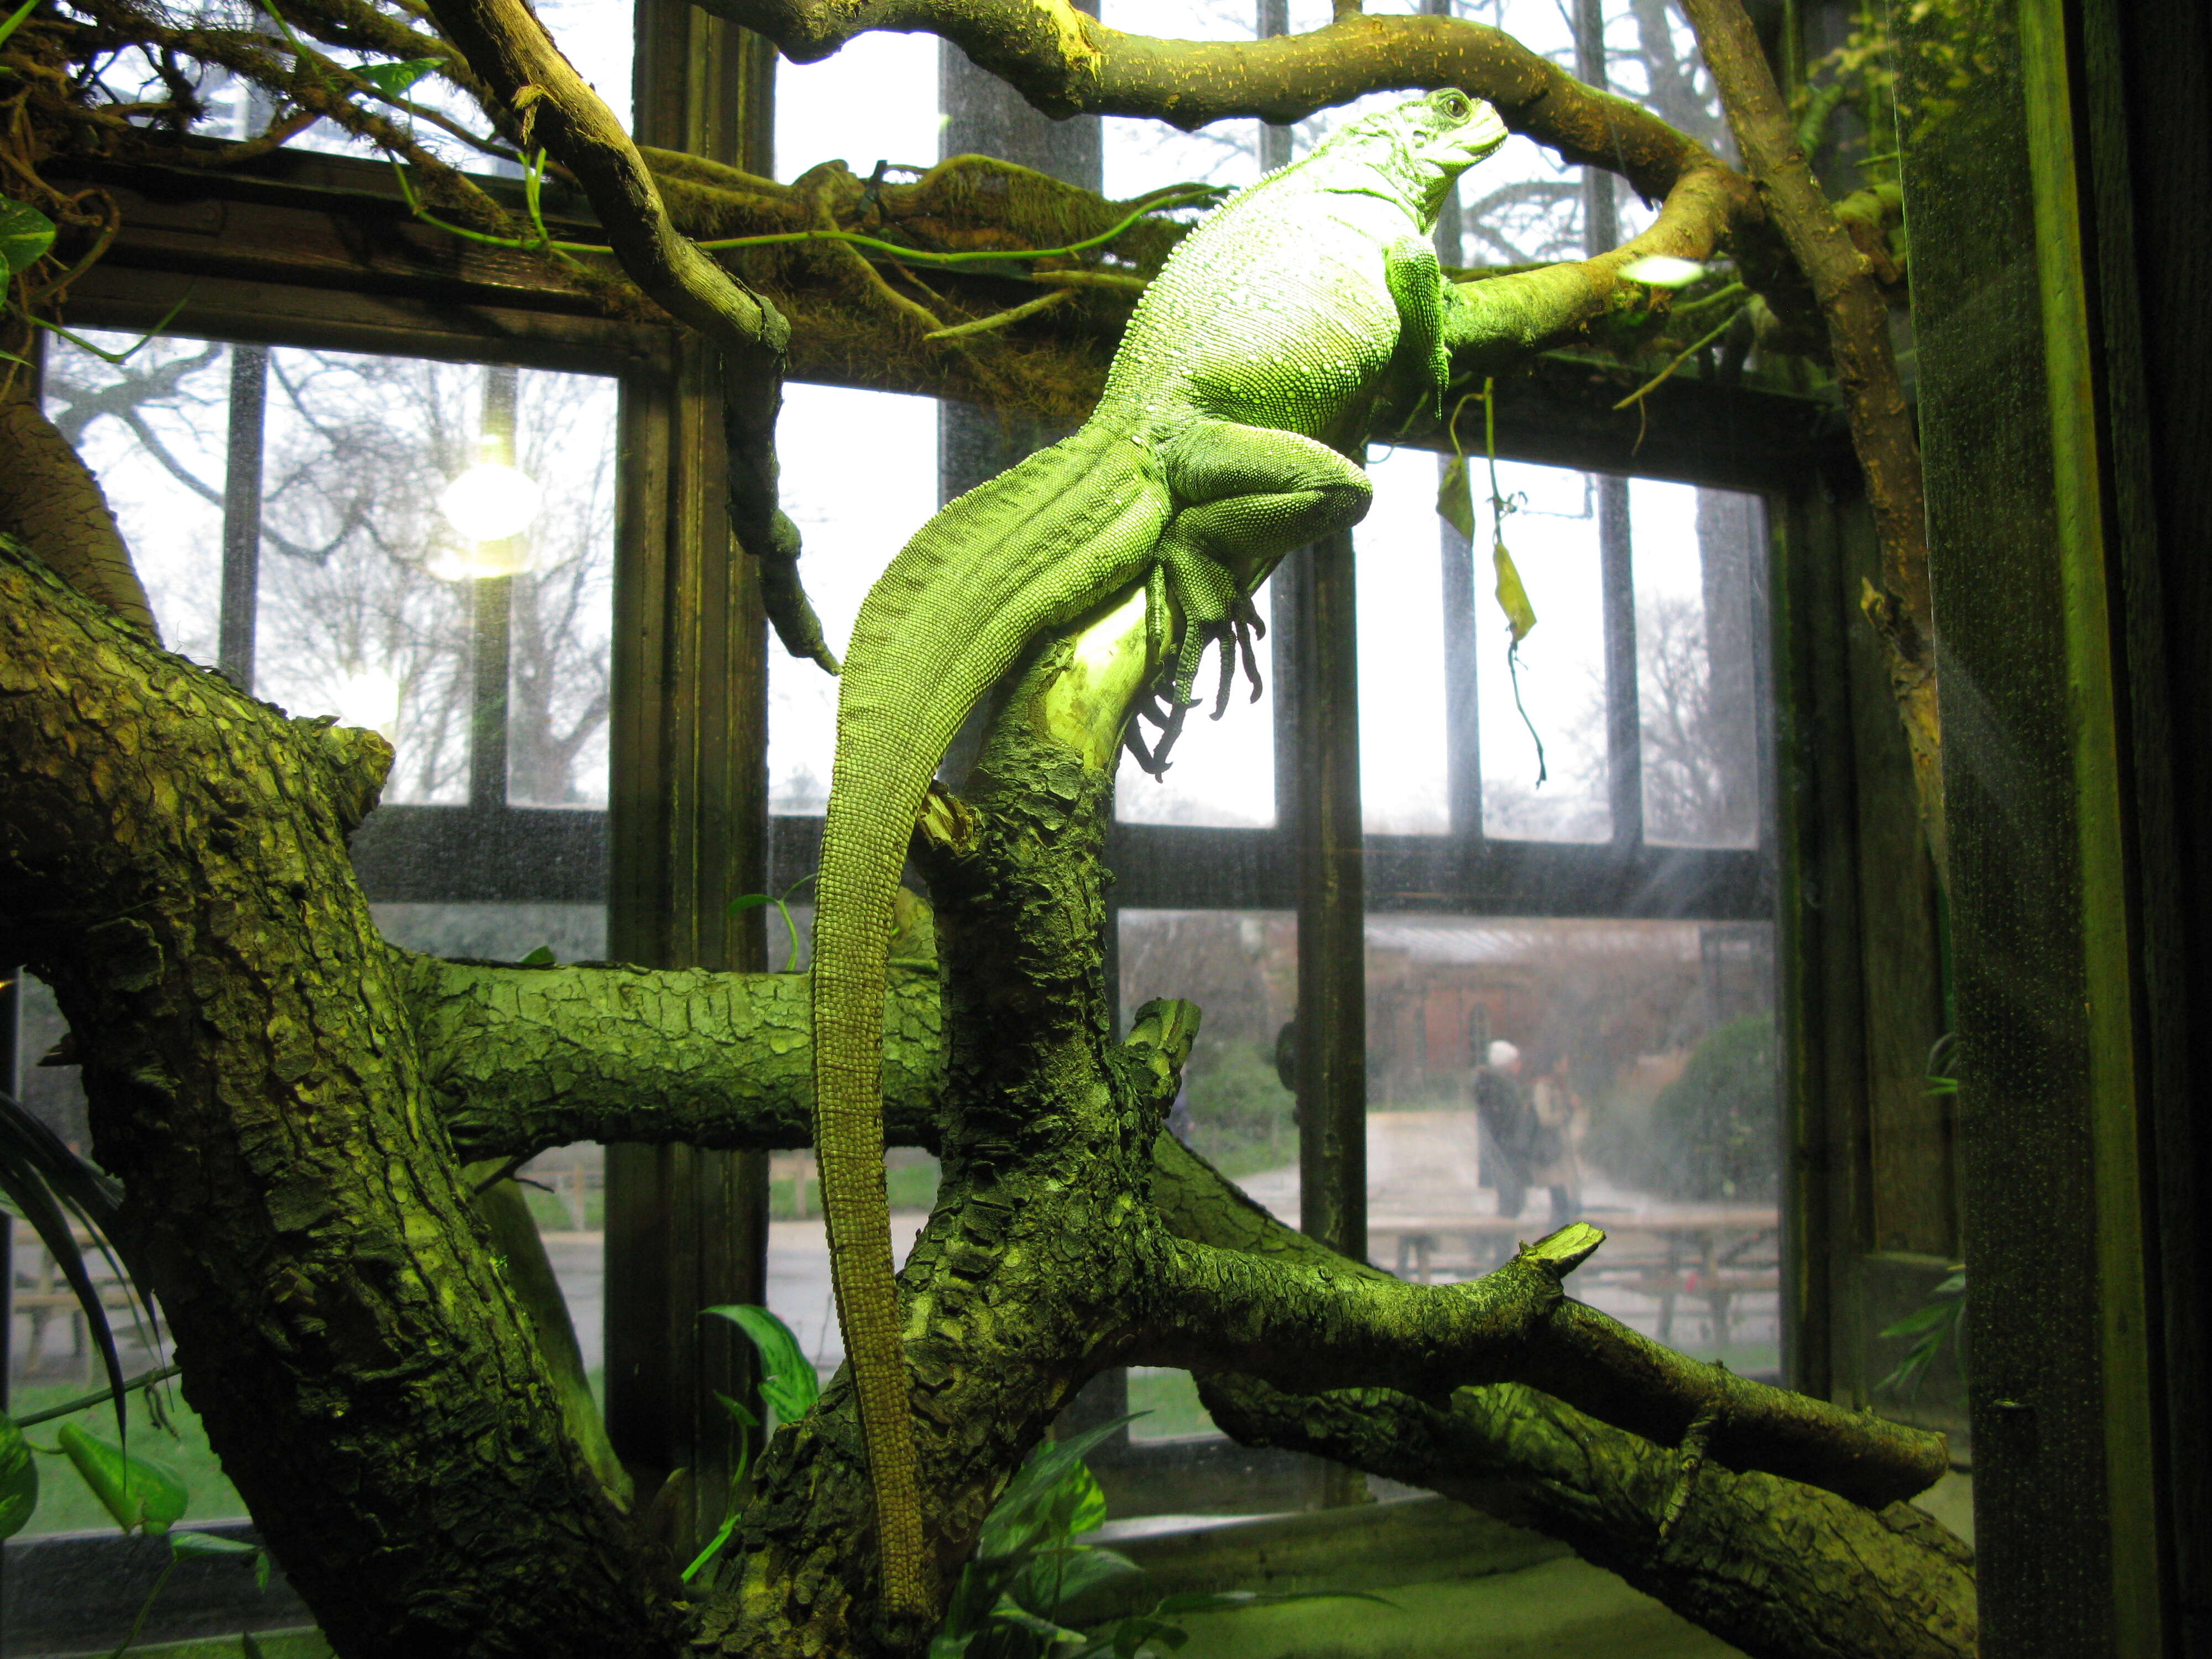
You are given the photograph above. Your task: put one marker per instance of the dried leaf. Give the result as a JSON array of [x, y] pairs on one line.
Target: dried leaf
[[1512, 598], [1455, 499]]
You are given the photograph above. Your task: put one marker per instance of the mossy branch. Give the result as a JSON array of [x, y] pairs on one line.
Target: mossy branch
[[1844, 278]]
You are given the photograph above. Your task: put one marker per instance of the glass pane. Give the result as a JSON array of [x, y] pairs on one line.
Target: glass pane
[[358, 614], [1241, 968], [1142, 155], [153, 430], [1523, 205], [1399, 549], [851, 534], [876, 100], [1221, 774], [1525, 1073], [1559, 675], [1700, 596], [560, 638]]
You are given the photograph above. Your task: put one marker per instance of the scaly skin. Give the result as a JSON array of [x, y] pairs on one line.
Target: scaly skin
[[1230, 431]]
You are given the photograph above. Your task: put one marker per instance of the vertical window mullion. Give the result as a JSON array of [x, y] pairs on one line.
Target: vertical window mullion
[[242, 512]]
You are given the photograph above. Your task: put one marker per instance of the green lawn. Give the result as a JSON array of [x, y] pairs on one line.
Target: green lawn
[[1169, 1399], [65, 1504]]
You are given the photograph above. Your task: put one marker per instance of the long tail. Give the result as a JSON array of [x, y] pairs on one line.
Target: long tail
[[1037, 546]]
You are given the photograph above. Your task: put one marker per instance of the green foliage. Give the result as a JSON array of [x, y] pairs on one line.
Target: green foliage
[[1028, 1567], [789, 1383], [26, 233], [393, 79], [1925, 1329], [139, 1492], [754, 900], [70, 1506], [19, 1479], [789, 1387], [1243, 1120], [47, 1184], [1715, 1129]]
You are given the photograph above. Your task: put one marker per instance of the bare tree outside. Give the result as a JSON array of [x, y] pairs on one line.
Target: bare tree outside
[[352, 618]]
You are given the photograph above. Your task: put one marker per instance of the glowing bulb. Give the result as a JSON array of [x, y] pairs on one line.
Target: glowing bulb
[[490, 502], [370, 700]]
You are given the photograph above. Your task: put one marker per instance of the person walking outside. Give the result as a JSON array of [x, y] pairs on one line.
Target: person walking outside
[[1528, 1141]]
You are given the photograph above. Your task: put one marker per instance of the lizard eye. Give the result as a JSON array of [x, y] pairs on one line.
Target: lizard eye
[[1455, 106]]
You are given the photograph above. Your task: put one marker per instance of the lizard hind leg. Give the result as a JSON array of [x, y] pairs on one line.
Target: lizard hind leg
[[1244, 496]]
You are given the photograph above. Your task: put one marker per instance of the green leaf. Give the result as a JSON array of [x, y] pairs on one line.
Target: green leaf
[[1455, 498], [788, 1382], [1009, 1612], [750, 901], [1933, 1318], [137, 1491], [19, 1479], [209, 1543], [736, 1409], [392, 79], [543, 957], [26, 233], [14, 19], [1512, 598], [40, 1175]]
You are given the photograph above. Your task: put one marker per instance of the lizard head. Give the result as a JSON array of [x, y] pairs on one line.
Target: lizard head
[[1424, 144]]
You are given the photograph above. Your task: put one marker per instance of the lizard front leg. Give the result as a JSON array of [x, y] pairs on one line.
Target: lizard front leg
[[1243, 496]]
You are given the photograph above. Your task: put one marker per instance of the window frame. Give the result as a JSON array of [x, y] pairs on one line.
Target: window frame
[[275, 254]]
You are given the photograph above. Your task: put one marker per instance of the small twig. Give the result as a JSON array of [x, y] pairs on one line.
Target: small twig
[[1680, 358], [1000, 319], [98, 1397]]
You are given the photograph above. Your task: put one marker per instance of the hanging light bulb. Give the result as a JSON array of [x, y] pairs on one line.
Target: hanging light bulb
[[370, 700], [491, 503]]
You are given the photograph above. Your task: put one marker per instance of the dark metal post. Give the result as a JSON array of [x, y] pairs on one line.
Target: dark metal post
[[242, 512], [492, 600], [1624, 719], [1331, 1038]]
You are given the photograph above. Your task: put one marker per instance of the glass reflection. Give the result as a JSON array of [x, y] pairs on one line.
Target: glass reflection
[[1526, 1073], [1700, 569]]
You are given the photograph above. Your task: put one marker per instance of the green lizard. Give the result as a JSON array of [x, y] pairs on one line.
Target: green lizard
[[1231, 430]]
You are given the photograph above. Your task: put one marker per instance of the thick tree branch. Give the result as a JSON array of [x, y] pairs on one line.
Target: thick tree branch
[[1782, 1570], [1845, 285], [50, 502], [1778, 1569], [173, 861], [521, 1059], [1314, 1327]]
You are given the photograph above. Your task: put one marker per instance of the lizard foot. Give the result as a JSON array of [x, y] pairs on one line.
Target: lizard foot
[[1169, 721]]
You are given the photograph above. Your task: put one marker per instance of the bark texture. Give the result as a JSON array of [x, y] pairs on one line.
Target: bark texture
[[173, 862], [1856, 315]]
